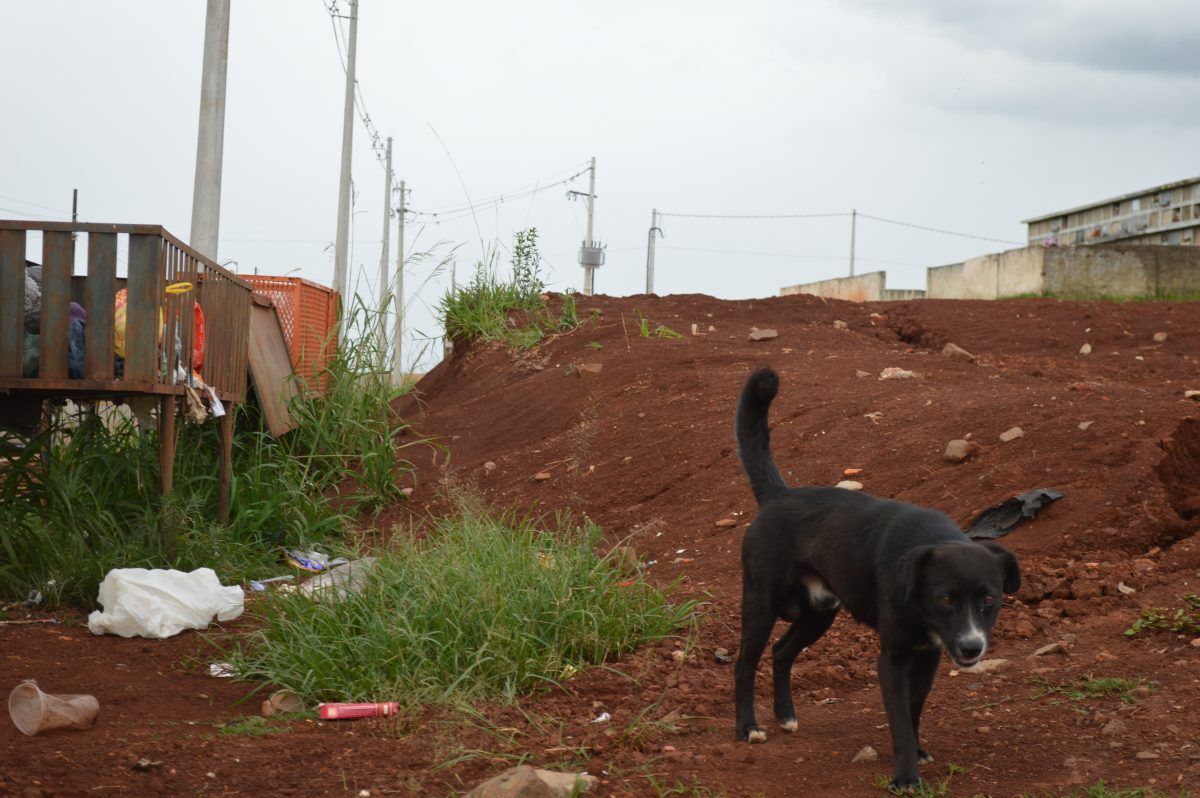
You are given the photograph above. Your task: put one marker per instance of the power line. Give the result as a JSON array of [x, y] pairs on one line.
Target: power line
[[462, 211], [939, 230], [19, 201], [753, 216], [832, 215], [360, 103]]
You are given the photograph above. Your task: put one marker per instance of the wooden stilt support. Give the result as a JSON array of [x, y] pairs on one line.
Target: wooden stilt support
[[225, 464], [166, 464]]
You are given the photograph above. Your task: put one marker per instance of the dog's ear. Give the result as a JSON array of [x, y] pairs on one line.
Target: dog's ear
[[909, 569], [1008, 561]]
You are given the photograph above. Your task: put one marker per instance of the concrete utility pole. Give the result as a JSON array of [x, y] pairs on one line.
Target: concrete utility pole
[[340, 269], [398, 294], [384, 256], [210, 141], [853, 221], [655, 232], [589, 272]]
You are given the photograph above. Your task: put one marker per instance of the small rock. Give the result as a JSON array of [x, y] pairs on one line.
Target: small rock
[[1085, 424], [988, 666], [960, 449], [763, 335], [678, 655], [1196, 642], [1141, 692], [860, 373], [984, 729], [1104, 656], [524, 781], [1059, 647], [1126, 589], [542, 476], [894, 373], [712, 328], [282, 701], [489, 466], [1145, 755], [1012, 434], [725, 523], [851, 472], [1160, 337], [956, 352], [840, 325], [721, 655], [866, 754], [1191, 394], [849, 484], [1114, 726], [695, 329], [627, 459], [1086, 349], [143, 765]]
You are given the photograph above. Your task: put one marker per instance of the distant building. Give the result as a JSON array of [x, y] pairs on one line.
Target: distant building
[[1166, 214]]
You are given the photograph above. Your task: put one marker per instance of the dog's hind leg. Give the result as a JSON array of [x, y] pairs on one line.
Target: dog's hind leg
[[923, 670], [804, 631], [757, 622]]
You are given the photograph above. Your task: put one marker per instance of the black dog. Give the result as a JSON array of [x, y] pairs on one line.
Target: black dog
[[906, 571]]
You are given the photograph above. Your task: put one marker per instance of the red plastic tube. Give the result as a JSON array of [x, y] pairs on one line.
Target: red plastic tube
[[353, 711]]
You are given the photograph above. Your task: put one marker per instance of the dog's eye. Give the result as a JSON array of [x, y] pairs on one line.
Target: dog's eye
[[945, 600], [988, 600]]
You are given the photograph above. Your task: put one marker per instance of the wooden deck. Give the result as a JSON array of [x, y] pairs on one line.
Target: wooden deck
[[159, 327]]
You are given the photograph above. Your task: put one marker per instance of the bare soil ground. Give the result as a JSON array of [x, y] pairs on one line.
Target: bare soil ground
[[645, 448]]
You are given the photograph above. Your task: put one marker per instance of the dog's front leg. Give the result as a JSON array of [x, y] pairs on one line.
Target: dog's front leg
[[894, 666]]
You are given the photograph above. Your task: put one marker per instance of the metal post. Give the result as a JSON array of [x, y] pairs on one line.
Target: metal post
[[340, 269], [589, 274], [654, 233], [210, 140], [853, 221], [398, 295], [384, 257]]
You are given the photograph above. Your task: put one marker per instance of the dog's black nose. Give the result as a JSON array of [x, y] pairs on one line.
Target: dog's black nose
[[971, 650]]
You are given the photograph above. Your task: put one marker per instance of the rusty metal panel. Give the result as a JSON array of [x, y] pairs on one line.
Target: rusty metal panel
[[98, 301], [271, 368], [145, 291], [12, 301], [58, 261]]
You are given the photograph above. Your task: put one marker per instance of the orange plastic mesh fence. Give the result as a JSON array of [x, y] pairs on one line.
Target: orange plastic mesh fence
[[307, 311]]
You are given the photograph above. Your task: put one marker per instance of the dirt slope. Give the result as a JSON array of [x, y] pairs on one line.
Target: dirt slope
[[652, 436]]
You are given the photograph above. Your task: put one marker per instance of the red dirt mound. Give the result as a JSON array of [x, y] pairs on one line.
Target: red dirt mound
[[644, 446]]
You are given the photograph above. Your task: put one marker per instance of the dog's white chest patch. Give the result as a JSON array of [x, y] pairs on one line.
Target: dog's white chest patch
[[819, 593]]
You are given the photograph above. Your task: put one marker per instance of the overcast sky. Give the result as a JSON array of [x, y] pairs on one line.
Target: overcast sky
[[968, 116]]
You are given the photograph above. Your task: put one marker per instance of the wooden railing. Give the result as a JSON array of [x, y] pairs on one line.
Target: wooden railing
[[159, 326]]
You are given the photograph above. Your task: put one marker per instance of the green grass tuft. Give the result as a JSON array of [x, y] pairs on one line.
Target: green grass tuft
[[484, 607], [1185, 620], [1088, 687]]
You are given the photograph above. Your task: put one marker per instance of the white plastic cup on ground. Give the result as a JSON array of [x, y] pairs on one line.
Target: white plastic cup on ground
[[33, 711]]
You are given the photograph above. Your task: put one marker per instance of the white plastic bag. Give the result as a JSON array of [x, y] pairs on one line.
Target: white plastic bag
[[159, 603]]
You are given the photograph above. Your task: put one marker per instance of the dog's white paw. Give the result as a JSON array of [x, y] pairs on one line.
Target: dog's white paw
[[757, 736], [925, 758], [789, 725]]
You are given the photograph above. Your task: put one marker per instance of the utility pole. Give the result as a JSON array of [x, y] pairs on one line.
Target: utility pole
[[384, 256], [655, 231], [398, 294], [210, 141], [340, 269], [589, 272], [853, 221]]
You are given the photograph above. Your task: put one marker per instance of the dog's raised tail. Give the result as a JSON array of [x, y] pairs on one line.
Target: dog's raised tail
[[754, 437]]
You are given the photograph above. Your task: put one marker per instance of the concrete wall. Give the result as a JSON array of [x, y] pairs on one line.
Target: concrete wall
[[943, 282], [859, 288], [1110, 270]]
